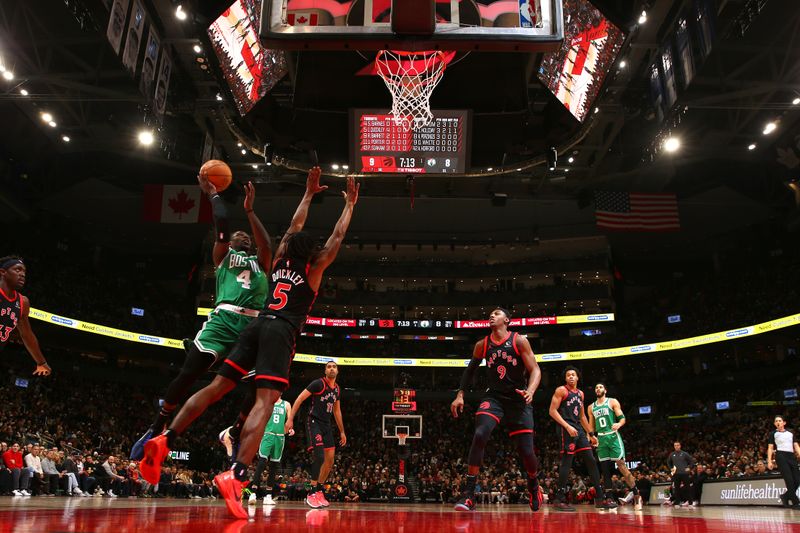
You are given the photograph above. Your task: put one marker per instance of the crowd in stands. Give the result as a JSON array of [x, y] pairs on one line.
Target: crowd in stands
[[64, 436]]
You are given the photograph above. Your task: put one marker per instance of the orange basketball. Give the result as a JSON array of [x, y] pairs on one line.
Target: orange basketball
[[218, 173]]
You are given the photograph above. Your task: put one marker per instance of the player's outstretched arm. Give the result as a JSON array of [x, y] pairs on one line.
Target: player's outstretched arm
[[618, 414], [331, 248], [457, 407], [289, 431], [260, 235], [303, 396], [222, 238], [30, 341], [301, 213], [555, 401], [523, 346]]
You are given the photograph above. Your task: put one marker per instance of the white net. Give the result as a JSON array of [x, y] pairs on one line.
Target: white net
[[411, 78]]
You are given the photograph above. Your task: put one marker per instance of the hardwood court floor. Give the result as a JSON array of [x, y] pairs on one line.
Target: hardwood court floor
[[37, 515]]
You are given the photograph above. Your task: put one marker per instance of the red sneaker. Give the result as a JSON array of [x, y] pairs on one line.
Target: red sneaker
[[312, 500], [155, 450], [231, 489], [322, 500]]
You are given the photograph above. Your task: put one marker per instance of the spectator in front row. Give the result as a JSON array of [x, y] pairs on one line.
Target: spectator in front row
[[69, 472], [111, 480], [51, 475], [20, 476], [34, 465]]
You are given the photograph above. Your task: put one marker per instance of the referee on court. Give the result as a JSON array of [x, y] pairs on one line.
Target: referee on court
[[783, 447]]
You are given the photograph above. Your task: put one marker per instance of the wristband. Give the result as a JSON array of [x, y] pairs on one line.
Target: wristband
[[592, 434]]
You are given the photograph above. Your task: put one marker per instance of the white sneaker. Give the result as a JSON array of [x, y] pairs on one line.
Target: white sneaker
[[268, 500], [253, 499], [25, 493], [628, 498], [16, 493], [77, 492], [638, 505], [111, 494]]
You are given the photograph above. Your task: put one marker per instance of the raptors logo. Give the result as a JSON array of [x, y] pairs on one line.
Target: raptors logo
[[400, 490], [571, 446], [318, 437], [484, 405]]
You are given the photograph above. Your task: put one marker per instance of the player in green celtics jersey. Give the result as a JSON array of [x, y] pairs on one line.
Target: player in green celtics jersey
[[271, 450], [606, 417], [241, 291]]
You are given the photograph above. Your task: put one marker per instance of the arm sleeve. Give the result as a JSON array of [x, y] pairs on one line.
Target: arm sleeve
[[220, 213], [469, 374], [316, 386], [771, 438]]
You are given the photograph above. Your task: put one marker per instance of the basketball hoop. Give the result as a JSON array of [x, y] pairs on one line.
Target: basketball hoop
[[401, 438], [411, 78]]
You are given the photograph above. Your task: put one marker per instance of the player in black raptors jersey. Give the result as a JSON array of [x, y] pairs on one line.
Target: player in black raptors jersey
[[566, 408], [14, 309], [324, 393], [513, 376], [266, 344]]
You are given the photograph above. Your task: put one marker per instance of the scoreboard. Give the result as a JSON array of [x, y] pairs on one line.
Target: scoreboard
[[381, 146]]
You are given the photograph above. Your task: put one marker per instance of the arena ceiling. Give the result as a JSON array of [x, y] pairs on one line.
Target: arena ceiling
[[60, 55]]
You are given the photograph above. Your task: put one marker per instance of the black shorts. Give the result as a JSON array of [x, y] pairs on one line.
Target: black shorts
[[573, 445], [319, 434], [518, 415], [266, 345]]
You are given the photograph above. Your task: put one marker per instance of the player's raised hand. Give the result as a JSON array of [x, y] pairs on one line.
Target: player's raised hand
[[457, 407], [43, 370], [351, 194], [342, 439], [249, 196], [312, 181], [206, 186]]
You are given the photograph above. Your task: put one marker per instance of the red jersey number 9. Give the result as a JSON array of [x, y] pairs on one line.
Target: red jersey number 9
[[501, 371], [280, 295]]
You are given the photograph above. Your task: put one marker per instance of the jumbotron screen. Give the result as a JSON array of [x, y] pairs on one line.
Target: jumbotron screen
[[576, 71], [382, 147]]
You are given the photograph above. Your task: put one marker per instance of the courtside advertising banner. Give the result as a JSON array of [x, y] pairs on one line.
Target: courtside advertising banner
[[745, 491]]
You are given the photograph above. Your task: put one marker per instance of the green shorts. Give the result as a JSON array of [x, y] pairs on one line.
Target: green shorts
[[220, 332], [272, 447], [610, 447]]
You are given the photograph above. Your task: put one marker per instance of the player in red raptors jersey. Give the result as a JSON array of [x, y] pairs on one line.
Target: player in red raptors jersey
[[566, 408], [325, 396], [14, 309], [513, 376], [266, 344]]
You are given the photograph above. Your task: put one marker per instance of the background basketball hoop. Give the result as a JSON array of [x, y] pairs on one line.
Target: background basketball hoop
[[411, 78], [401, 438]]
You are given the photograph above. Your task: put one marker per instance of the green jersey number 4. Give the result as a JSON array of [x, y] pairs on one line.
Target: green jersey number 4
[[244, 279]]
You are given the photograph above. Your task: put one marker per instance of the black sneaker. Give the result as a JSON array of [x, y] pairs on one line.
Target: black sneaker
[[785, 497], [563, 507], [465, 504], [535, 500], [605, 504]]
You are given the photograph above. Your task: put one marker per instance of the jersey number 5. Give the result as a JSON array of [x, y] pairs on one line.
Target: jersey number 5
[[280, 295]]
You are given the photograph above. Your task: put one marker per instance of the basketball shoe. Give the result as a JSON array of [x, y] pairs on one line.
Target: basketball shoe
[[155, 451], [231, 489], [465, 503]]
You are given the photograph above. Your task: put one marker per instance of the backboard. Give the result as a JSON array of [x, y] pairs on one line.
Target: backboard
[[491, 25], [410, 425]]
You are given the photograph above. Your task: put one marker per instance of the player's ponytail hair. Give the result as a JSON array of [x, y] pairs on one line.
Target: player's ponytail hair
[[300, 246]]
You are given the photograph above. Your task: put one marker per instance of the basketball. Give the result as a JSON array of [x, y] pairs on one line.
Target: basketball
[[218, 173]]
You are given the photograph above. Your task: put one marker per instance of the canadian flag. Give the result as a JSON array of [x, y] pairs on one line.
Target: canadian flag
[[176, 204], [302, 18]]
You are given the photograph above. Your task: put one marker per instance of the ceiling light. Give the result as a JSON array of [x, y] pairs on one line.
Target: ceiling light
[[146, 137], [197, 49], [345, 167], [623, 64], [8, 75], [255, 167], [566, 170], [239, 145], [571, 160], [751, 146], [23, 92], [65, 138], [596, 109], [268, 163], [489, 169], [672, 144], [219, 97], [47, 117], [643, 17], [52, 124], [180, 14], [769, 128], [244, 152]]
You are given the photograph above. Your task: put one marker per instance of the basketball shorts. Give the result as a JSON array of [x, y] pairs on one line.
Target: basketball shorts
[[266, 345], [272, 447], [610, 447], [517, 414], [573, 445], [220, 332], [319, 434]]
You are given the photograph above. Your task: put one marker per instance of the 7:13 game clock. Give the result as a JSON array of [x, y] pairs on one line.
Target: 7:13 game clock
[[382, 147]]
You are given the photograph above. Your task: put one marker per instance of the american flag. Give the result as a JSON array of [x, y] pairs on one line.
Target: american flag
[[636, 211]]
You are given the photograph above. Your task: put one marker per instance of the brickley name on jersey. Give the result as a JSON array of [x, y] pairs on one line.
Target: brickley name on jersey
[[287, 274], [237, 261]]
